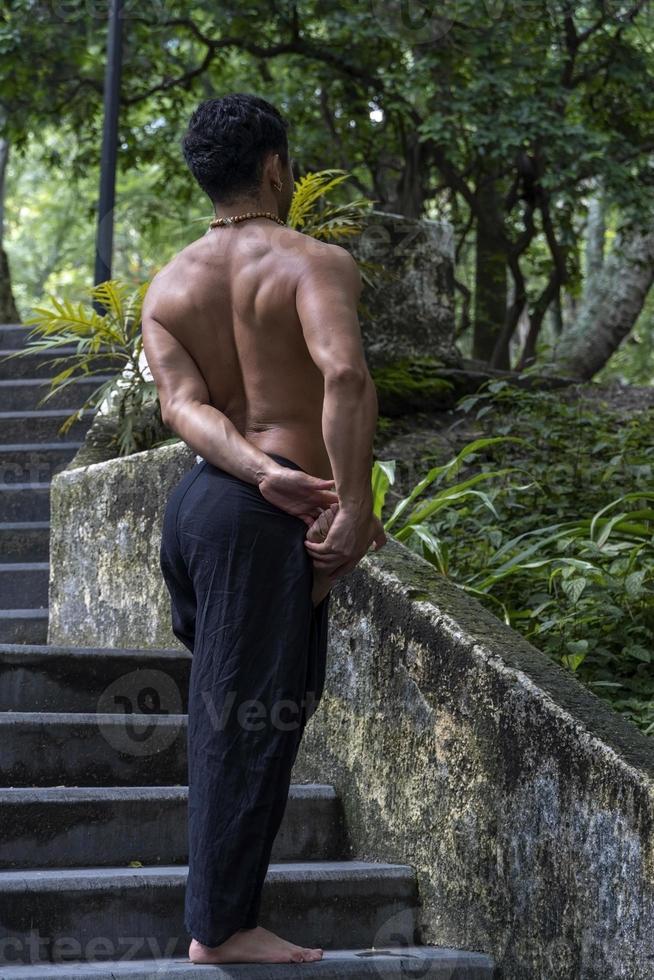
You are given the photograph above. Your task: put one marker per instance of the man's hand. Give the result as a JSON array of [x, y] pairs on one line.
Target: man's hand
[[347, 541], [297, 492]]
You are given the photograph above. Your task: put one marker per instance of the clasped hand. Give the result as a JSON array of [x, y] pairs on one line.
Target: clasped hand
[[352, 531]]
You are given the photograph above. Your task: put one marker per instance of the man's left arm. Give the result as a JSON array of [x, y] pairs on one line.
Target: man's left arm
[[186, 408]]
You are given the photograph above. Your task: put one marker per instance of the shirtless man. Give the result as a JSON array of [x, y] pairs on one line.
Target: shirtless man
[[252, 337]]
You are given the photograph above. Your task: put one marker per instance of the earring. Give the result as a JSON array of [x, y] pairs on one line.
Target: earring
[[278, 186]]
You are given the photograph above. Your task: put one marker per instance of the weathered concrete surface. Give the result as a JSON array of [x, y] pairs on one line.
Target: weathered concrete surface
[[105, 579], [412, 312], [524, 803]]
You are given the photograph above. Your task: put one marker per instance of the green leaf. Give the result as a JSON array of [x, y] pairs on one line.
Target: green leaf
[[633, 583], [383, 475], [574, 587]]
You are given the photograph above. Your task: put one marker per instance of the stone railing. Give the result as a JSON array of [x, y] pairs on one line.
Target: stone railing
[[525, 804]]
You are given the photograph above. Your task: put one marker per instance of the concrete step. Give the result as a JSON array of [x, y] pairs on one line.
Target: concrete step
[[23, 583], [23, 625], [45, 677], [26, 362], [34, 462], [41, 425], [21, 502], [139, 911], [26, 393], [386, 963], [88, 826], [13, 334], [24, 541], [126, 749]]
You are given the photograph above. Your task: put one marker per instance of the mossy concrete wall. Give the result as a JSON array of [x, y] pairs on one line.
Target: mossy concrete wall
[[105, 580], [524, 803]]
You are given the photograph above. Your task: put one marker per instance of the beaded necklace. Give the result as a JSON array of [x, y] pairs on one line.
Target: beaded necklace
[[234, 219]]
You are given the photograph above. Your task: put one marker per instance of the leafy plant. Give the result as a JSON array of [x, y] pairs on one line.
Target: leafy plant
[[414, 529], [309, 212], [567, 560], [107, 347]]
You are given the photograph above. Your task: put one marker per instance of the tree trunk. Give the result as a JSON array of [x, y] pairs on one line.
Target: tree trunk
[[490, 278], [409, 195], [595, 235], [8, 311], [610, 309], [556, 315]]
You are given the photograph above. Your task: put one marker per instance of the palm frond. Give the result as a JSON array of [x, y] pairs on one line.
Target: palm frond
[[311, 214], [339, 221], [74, 320], [308, 190], [112, 294]]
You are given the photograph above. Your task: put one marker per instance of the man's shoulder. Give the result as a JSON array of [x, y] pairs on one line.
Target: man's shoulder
[[324, 258], [171, 280], [165, 292]]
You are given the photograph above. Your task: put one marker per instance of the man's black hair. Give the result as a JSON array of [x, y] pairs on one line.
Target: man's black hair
[[226, 142]]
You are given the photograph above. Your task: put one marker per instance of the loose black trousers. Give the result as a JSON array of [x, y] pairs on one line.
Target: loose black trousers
[[240, 581]]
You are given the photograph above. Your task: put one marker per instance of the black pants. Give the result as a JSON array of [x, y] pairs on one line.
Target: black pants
[[240, 580]]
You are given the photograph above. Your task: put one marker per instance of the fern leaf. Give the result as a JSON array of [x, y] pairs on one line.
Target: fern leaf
[[308, 190]]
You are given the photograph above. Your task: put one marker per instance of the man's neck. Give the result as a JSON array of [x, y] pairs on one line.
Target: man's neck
[[244, 206]]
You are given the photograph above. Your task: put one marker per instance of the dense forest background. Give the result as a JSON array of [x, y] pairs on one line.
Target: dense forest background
[[528, 125]]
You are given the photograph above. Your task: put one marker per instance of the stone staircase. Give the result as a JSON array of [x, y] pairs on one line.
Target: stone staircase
[[31, 452], [93, 847]]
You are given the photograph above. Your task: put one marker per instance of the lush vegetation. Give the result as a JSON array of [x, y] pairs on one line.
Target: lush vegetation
[[550, 524], [515, 121]]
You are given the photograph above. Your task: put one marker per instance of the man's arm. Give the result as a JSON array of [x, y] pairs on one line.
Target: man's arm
[[327, 296], [186, 408]]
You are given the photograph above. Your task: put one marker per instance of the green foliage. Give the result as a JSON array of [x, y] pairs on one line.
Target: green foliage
[[104, 344], [567, 558], [50, 222], [327, 222], [310, 214], [415, 527], [535, 104]]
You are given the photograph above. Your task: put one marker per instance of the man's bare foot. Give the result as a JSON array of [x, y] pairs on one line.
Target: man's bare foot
[[318, 532], [256, 945]]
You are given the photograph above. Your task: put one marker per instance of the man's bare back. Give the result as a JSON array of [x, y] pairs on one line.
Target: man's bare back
[[230, 300]]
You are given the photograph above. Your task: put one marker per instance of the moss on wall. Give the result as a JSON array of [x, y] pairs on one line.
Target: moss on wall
[[412, 384]]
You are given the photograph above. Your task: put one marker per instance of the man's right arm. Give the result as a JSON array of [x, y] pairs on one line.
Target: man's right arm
[[327, 296], [326, 300]]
